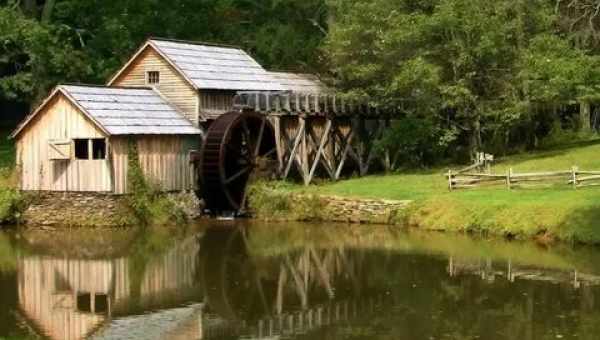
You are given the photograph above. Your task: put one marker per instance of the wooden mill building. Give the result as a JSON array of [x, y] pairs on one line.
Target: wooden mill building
[[163, 100], [78, 140]]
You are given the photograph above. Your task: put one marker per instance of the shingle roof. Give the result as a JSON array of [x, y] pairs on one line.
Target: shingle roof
[[300, 82], [123, 111], [126, 111], [216, 67]]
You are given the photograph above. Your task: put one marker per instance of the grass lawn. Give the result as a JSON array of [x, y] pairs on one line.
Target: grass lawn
[[558, 211]]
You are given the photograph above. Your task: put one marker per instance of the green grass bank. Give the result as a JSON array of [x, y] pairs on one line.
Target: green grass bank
[[556, 212]]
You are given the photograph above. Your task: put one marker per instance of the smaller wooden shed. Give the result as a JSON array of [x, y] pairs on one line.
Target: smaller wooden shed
[[78, 140]]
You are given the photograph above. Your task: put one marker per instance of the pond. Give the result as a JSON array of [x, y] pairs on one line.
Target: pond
[[247, 280]]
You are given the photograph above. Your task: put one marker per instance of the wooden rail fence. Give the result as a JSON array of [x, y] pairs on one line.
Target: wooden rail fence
[[576, 178]]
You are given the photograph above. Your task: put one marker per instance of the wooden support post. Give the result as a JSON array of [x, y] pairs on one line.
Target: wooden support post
[[450, 180], [508, 176], [347, 146], [324, 140], [574, 176], [303, 152], [276, 122], [297, 140], [286, 103]]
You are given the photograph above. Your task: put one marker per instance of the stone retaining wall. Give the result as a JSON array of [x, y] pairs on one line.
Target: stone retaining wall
[[353, 210], [90, 209]]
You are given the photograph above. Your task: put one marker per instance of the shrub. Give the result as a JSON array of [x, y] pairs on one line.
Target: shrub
[[147, 203], [269, 201], [12, 205], [561, 137]]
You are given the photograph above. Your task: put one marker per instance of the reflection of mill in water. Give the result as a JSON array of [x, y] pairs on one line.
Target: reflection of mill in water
[[288, 294], [235, 293], [71, 299]]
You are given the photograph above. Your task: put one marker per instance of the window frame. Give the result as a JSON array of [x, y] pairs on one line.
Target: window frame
[[152, 77], [90, 149], [87, 144], [104, 152]]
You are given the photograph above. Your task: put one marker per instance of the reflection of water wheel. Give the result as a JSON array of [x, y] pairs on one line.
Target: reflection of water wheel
[[234, 143], [226, 272]]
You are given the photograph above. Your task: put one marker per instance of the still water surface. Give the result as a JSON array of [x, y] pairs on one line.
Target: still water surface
[[292, 282]]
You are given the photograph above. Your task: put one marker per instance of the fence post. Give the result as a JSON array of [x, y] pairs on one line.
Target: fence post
[[450, 180], [574, 170], [508, 175]]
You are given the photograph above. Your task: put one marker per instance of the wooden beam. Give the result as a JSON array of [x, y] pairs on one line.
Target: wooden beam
[[346, 149], [297, 140], [276, 122], [303, 152], [324, 139]]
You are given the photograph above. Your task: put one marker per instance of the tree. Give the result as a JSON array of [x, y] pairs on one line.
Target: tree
[[43, 43], [471, 65]]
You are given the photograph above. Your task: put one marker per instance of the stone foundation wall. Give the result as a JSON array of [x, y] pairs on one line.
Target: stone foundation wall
[[352, 210], [91, 209]]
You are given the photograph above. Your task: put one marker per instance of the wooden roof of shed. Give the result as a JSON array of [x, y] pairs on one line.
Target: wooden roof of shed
[[123, 111], [300, 82]]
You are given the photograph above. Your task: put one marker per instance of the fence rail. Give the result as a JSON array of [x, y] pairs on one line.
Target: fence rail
[[574, 177]]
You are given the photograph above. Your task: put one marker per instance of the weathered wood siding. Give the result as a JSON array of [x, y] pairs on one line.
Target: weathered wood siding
[[172, 85], [214, 103], [60, 120], [165, 160], [48, 290]]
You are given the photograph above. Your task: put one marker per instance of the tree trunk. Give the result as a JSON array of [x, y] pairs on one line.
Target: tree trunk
[[30, 8], [47, 11], [475, 138], [584, 116]]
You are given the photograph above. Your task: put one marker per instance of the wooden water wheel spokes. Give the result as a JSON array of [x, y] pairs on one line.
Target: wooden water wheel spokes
[[234, 143]]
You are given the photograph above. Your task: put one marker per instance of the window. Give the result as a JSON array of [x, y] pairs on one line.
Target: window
[[84, 302], [90, 148], [153, 77], [100, 303], [99, 148], [81, 149]]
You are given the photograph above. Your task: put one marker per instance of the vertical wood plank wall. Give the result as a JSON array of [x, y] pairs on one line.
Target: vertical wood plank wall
[[214, 103], [172, 85], [165, 161], [48, 291], [60, 120]]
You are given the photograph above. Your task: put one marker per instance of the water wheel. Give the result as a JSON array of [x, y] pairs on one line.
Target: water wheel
[[234, 144]]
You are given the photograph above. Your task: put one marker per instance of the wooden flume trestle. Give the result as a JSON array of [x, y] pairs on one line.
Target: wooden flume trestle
[[319, 134], [309, 135]]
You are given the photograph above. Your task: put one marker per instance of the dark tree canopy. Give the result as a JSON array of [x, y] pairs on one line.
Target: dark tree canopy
[[46, 42]]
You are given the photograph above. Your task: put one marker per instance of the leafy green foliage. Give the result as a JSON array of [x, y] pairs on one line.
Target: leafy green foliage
[[12, 205], [148, 204], [34, 57], [270, 201], [484, 71], [413, 142], [43, 43]]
